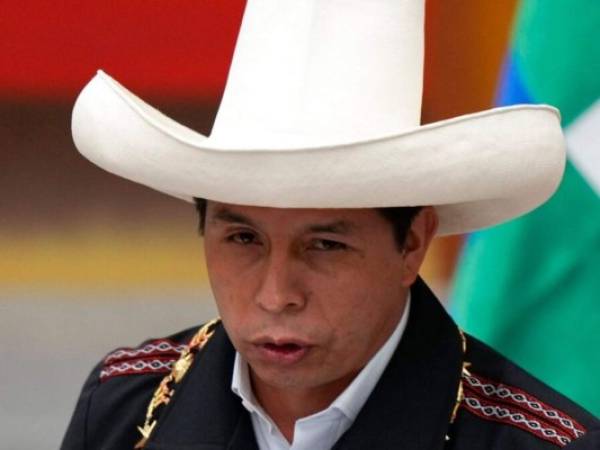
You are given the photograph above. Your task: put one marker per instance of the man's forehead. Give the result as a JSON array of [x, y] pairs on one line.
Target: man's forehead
[[342, 221]]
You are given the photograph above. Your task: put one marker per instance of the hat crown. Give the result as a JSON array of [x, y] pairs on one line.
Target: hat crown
[[322, 72]]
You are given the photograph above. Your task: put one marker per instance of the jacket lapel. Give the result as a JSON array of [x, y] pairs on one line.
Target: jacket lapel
[[411, 405]]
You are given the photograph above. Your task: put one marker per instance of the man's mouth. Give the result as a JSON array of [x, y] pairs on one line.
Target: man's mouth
[[282, 352], [283, 348]]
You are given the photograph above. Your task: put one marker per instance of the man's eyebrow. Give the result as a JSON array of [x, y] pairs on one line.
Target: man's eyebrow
[[225, 215]]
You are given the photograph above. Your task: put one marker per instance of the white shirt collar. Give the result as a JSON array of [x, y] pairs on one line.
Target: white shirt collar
[[348, 403]]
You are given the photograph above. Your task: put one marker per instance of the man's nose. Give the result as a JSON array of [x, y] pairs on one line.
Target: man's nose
[[279, 290]]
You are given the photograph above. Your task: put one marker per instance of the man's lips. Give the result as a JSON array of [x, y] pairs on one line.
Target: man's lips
[[281, 351]]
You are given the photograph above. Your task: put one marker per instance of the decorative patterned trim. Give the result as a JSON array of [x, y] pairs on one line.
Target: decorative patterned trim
[[503, 414], [137, 367], [159, 347], [511, 405], [526, 401]]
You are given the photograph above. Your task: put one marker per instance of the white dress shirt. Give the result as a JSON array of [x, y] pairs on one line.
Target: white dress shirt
[[321, 430]]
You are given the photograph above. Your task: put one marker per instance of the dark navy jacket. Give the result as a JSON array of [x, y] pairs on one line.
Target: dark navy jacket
[[503, 408]]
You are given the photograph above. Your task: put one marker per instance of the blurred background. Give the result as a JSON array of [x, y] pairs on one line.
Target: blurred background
[[89, 261]]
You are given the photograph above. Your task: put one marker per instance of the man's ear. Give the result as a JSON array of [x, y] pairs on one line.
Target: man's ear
[[418, 238]]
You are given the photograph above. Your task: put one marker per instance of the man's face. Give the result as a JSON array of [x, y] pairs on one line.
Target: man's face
[[307, 296]]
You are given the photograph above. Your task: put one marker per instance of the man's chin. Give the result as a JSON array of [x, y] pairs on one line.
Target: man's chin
[[289, 378]]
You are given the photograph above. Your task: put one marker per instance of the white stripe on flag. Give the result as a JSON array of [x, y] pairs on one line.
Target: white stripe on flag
[[583, 142]]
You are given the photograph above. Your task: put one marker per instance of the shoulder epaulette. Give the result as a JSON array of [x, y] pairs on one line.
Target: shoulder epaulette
[[506, 404], [157, 356]]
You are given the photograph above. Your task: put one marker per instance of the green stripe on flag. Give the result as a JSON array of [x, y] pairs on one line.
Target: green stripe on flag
[[556, 46]]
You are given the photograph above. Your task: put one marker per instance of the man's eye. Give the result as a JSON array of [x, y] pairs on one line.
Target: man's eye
[[243, 238], [327, 245]]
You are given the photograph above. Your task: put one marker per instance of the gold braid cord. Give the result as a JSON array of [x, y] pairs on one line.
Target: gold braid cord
[[163, 394], [460, 395]]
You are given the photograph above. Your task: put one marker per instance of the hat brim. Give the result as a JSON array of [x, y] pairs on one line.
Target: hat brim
[[478, 170]]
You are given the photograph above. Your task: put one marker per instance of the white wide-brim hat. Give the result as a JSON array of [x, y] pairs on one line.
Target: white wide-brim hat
[[322, 110]]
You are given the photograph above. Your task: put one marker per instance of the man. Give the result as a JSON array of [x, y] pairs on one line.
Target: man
[[306, 189]]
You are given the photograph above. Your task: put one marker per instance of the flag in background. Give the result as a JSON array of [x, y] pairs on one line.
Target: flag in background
[[531, 288]]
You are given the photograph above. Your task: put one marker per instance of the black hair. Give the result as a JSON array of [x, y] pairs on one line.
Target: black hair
[[399, 217]]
